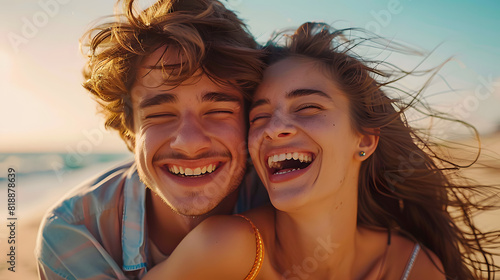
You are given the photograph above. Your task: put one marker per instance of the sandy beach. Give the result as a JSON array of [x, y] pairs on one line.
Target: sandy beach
[[29, 220]]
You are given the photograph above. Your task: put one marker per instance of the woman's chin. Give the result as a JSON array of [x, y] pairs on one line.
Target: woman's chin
[[289, 200]]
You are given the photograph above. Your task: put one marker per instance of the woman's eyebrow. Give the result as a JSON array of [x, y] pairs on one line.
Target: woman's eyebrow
[[305, 92], [259, 102], [292, 94]]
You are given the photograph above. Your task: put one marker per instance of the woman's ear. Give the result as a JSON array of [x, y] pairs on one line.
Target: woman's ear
[[367, 143]]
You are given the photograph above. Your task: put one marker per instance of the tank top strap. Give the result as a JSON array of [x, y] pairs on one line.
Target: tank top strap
[[411, 262]]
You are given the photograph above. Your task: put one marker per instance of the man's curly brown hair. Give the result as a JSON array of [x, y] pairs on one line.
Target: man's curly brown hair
[[210, 39]]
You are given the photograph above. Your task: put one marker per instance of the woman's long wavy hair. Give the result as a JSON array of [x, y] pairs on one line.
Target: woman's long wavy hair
[[204, 33], [407, 184]]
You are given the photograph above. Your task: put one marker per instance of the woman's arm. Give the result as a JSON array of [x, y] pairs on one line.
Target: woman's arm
[[221, 247]]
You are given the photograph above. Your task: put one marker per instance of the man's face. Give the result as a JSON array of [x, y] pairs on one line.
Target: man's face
[[189, 139]]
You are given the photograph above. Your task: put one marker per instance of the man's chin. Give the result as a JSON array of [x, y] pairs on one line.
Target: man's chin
[[205, 206], [192, 211], [200, 203], [194, 205]]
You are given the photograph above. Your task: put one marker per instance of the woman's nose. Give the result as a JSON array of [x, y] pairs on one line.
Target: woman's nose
[[279, 127]]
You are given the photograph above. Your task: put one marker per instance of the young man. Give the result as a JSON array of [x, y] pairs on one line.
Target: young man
[[173, 80]]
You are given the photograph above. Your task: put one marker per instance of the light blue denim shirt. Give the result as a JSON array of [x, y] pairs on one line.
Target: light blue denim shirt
[[98, 230]]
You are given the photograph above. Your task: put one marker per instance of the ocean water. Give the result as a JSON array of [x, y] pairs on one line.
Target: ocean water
[[41, 179]]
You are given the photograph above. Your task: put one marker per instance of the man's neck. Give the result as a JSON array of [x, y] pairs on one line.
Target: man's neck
[[167, 228]]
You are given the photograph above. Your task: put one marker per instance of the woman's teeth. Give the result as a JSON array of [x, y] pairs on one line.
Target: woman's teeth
[[276, 161], [285, 171], [186, 171]]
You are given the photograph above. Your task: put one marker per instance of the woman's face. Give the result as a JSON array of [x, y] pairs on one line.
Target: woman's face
[[301, 139]]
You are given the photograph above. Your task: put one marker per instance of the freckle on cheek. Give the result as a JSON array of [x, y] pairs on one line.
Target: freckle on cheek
[[339, 205]]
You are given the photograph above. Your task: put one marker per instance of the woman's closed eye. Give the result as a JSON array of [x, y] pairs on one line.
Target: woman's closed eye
[[258, 117], [309, 109]]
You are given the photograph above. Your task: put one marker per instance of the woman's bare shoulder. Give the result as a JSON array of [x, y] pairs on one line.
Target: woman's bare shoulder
[[427, 266], [415, 259], [220, 247], [223, 232]]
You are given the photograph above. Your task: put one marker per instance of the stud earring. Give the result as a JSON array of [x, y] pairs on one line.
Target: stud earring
[[362, 153]]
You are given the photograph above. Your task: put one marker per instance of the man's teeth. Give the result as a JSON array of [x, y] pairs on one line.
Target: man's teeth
[[186, 171], [274, 161]]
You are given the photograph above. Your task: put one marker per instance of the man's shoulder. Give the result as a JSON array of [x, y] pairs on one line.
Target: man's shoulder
[[103, 191], [86, 225]]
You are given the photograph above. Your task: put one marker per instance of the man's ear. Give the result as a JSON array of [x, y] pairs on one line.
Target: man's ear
[[367, 143]]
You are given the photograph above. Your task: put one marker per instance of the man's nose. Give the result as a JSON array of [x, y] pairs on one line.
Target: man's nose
[[191, 137]]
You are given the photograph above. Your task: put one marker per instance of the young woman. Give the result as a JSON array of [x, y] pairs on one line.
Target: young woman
[[357, 194]]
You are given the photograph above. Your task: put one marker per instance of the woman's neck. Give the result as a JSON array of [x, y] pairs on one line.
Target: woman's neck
[[319, 240]]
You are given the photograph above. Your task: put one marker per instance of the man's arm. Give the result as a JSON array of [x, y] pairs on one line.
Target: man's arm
[[67, 251], [221, 247], [82, 236]]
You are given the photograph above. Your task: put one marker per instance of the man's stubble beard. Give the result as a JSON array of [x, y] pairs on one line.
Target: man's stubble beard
[[202, 202]]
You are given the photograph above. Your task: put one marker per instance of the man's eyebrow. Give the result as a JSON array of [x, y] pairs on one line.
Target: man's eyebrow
[[219, 97], [157, 100], [305, 92]]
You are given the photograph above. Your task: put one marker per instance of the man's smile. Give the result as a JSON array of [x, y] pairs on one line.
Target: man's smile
[[184, 171]]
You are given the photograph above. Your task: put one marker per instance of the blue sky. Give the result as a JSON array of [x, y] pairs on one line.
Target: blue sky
[[44, 107]]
